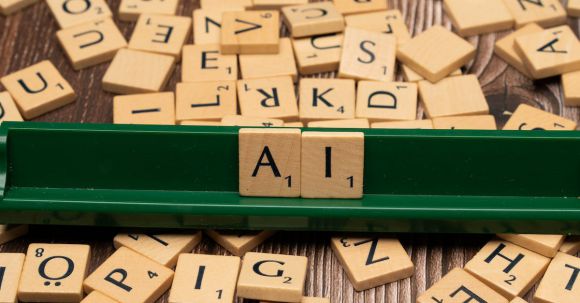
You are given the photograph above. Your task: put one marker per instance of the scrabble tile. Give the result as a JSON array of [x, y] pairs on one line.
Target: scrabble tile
[[294, 124], [455, 96], [385, 101], [207, 26], [349, 123], [201, 123], [129, 277], [332, 164], [134, 72], [205, 100], [327, 99], [436, 53], [571, 90], [411, 76], [163, 248], [505, 48], [546, 13], [415, 124], [10, 269], [530, 118], [8, 7], [477, 17], [308, 300], [371, 262], [507, 268], [348, 7], [268, 98], [205, 278], [204, 62], [574, 8], [313, 19], [236, 120], [155, 108], [367, 55], [38, 89], [458, 286], [483, 122], [12, 232], [238, 243], [276, 4], [97, 297], [318, 54], [560, 283], [546, 245], [518, 300], [160, 34], [571, 245], [269, 162], [69, 13], [549, 53], [270, 65], [389, 22], [8, 109], [130, 10], [272, 277], [250, 32], [54, 273], [91, 43], [226, 5]]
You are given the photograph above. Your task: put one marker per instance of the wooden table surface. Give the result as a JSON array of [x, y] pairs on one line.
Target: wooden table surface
[[29, 37]]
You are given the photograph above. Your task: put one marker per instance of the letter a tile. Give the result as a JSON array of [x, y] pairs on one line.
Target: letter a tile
[[561, 283], [250, 32], [10, 271]]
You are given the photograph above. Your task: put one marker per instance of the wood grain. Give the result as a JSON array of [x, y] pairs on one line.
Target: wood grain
[[29, 37]]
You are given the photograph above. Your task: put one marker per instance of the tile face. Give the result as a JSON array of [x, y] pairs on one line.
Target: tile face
[[270, 65], [207, 26], [8, 109], [574, 8], [70, 13], [226, 5], [560, 283], [161, 34], [546, 13], [506, 48], [276, 4], [455, 96], [237, 120], [415, 124], [91, 43], [348, 7], [571, 245], [332, 164], [483, 122], [411, 76], [38, 89], [10, 269], [371, 262], [477, 17], [313, 19], [205, 100], [348, 123], [250, 32], [571, 89], [530, 118], [12, 232], [161, 248], [129, 10], [368, 55], [272, 277], [205, 278], [546, 245], [205, 62], [97, 297], [389, 22], [308, 300], [268, 98], [156, 108], [8, 7], [128, 277], [380, 101], [134, 72], [436, 53], [327, 99], [507, 268], [237, 242], [54, 273], [518, 300], [270, 162], [318, 54]]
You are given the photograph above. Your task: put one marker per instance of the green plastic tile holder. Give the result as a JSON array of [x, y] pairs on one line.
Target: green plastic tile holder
[[187, 177]]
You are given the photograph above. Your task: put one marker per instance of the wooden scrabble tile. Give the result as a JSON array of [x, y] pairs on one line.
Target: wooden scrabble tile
[[560, 283], [268, 98], [204, 62], [269, 162], [332, 164], [226, 5], [205, 278], [436, 53], [276, 4], [207, 26], [455, 96], [8, 7], [573, 8], [386, 101], [54, 273], [349, 123], [38, 89], [134, 72], [458, 286], [161, 248], [546, 245], [155, 108], [477, 17], [389, 22], [70, 13], [327, 99], [371, 262], [308, 300], [161, 34], [12, 232], [367, 55], [507, 268], [349, 7], [505, 48], [201, 123], [270, 65], [250, 32], [91, 43], [294, 124], [8, 109], [571, 89], [10, 269], [485, 122], [313, 19], [272, 277], [518, 300], [546, 13], [550, 52], [530, 118], [318, 54], [237, 120], [238, 243], [571, 245], [415, 124], [411, 76], [130, 10], [97, 297], [205, 100]]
